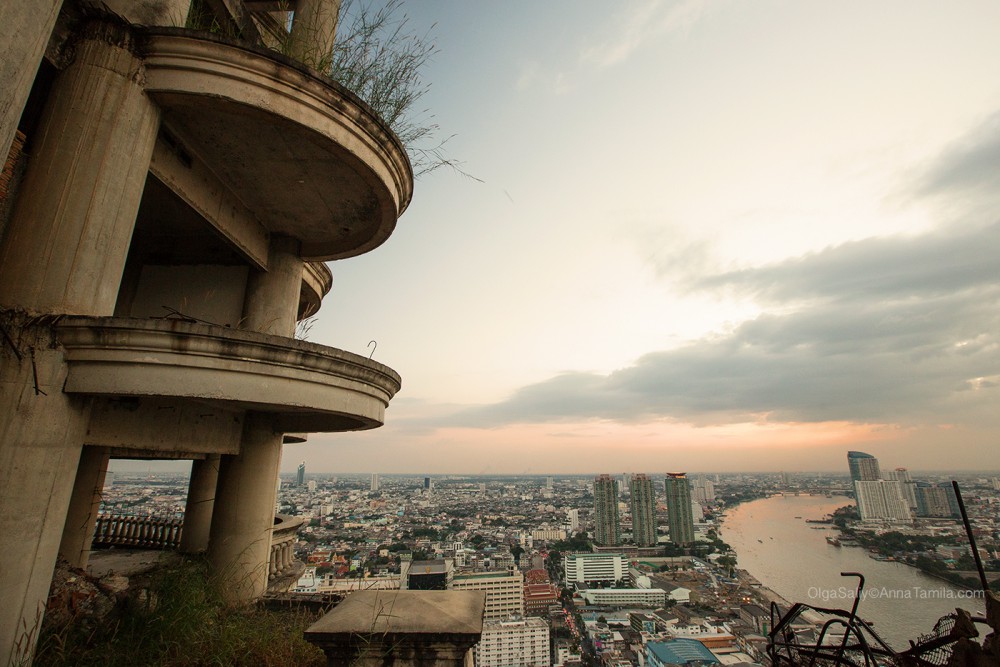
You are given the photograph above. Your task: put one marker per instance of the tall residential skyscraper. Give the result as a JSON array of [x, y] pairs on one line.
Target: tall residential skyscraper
[[374, 481], [881, 500], [864, 467], [607, 529], [679, 508], [643, 510], [300, 475]]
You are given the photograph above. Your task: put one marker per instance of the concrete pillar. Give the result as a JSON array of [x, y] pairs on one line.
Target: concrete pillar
[[41, 431], [314, 28], [24, 34], [84, 504], [200, 503], [240, 542], [240, 546], [63, 252], [272, 296], [65, 248]]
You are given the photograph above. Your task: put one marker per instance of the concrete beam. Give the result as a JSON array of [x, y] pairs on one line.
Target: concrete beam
[[189, 178], [163, 425]]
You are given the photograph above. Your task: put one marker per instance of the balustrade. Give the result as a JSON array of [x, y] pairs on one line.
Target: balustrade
[[152, 532], [282, 543]]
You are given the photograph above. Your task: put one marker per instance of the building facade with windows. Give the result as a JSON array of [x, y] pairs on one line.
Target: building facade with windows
[[643, 504], [582, 568], [679, 513], [514, 643], [504, 591], [607, 525]]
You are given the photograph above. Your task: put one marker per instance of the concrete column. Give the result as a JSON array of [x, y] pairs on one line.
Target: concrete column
[[272, 296], [63, 252], [41, 431], [84, 504], [65, 248], [200, 503], [314, 27], [24, 34], [240, 546]]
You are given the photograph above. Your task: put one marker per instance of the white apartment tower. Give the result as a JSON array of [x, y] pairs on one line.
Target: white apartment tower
[[504, 591], [514, 643], [881, 500]]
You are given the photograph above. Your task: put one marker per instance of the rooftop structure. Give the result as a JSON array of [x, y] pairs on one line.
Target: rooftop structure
[[679, 652], [384, 628]]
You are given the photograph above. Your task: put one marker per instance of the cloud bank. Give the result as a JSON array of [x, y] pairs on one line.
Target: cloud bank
[[896, 330]]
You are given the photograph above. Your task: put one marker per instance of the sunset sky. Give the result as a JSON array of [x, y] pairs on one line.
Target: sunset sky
[[707, 235]]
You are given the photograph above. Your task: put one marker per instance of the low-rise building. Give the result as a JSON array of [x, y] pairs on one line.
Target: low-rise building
[[621, 597], [582, 568]]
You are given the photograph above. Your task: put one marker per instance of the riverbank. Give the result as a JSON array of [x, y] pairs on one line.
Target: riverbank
[[786, 556]]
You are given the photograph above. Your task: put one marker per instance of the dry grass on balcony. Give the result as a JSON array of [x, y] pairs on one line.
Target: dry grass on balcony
[[175, 618]]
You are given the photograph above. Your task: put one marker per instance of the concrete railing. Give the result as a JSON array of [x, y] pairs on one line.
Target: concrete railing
[[152, 532], [282, 544], [140, 532]]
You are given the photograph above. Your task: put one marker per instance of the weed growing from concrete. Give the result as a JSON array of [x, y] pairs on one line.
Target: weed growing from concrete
[[178, 619]]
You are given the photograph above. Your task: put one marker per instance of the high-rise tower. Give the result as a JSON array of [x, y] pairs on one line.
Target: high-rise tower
[[679, 508], [300, 475], [607, 530], [643, 510], [864, 467]]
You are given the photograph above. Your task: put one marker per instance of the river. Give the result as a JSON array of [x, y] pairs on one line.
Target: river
[[774, 543]]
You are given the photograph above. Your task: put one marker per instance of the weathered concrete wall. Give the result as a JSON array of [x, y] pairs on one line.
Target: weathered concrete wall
[[205, 292], [24, 34]]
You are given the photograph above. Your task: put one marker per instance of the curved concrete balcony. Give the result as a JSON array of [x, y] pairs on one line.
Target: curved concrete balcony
[[305, 387], [303, 153], [317, 280]]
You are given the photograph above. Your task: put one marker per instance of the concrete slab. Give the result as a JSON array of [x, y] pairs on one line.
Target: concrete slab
[[128, 562], [405, 612]]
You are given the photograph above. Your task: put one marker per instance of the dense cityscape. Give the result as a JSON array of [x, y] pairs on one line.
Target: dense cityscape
[[615, 570]]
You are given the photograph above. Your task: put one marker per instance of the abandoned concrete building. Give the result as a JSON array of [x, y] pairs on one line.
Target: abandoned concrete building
[[168, 202]]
